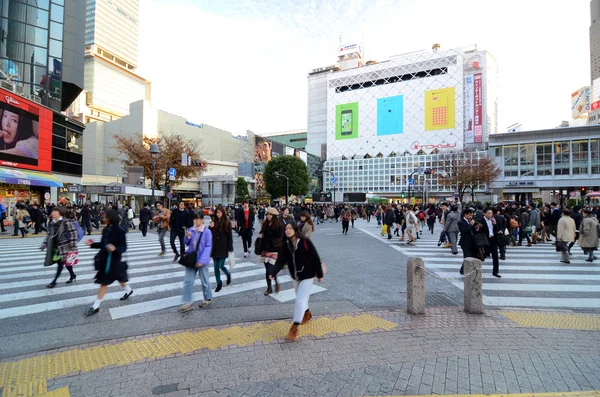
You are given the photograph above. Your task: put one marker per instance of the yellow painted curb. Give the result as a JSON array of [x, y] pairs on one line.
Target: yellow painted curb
[[90, 359], [591, 393], [555, 320]]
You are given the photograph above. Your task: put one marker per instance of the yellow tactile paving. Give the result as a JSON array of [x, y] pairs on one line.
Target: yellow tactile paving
[[591, 393], [555, 320], [37, 388], [90, 359]]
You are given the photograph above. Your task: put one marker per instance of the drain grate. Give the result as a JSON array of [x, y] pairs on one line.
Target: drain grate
[[164, 389], [438, 299]]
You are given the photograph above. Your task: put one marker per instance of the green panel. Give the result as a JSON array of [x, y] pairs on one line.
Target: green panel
[[346, 121]]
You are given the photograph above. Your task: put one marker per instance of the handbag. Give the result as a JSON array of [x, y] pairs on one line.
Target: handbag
[[529, 230], [231, 258], [189, 258], [258, 246], [72, 258], [561, 246], [384, 229], [481, 240]]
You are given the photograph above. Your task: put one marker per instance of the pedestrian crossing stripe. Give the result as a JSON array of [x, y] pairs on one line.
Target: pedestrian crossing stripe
[[18, 273], [531, 276]]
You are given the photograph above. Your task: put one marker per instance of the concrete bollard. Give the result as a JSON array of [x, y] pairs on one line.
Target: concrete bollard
[[415, 285], [473, 286]]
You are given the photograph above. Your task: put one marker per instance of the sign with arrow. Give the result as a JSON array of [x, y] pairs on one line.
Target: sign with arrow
[[172, 173]]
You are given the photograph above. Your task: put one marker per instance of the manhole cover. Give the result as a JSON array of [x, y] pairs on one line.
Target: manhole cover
[[439, 300]]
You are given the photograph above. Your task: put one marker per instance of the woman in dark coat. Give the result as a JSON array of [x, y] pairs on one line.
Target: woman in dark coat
[[304, 264], [108, 260], [222, 245], [270, 235]]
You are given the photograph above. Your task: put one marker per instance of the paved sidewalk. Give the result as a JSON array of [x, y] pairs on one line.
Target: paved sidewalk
[[372, 353]]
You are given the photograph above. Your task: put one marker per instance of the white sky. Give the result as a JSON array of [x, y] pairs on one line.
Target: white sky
[[242, 64]]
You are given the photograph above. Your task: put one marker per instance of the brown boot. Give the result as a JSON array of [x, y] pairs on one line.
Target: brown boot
[[529, 244], [293, 334], [307, 317]]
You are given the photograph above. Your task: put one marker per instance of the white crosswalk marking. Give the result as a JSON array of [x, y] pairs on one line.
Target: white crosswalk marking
[[531, 276], [157, 281]]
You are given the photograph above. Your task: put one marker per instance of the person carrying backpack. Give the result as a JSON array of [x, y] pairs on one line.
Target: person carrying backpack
[[61, 245]]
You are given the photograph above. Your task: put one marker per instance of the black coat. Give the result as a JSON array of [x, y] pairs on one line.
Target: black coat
[[303, 260], [389, 217], [115, 235], [466, 234], [180, 220], [145, 215], [485, 230], [271, 238], [36, 215], [222, 243], [241, 221], [577, 217], [554, 217]]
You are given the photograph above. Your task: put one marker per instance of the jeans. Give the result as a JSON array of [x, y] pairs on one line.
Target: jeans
[[162, 231], [523, 233], [87, 225], [177, 234], [220, 265], [188, 283], [16, 226], [303, 289]]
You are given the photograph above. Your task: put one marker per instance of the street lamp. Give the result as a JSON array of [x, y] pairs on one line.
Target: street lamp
[[287, 187], [333, 183], [154, 152]]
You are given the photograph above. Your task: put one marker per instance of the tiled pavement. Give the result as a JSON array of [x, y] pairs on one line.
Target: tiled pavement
[[444, 352]]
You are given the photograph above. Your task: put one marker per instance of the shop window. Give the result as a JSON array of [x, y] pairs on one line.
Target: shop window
[[511, 161], [527, 159], [561, 158], [544, 159], [580, 157]]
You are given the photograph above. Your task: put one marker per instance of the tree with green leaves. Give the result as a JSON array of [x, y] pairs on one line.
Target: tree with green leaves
[[241, 190], [293, 168]]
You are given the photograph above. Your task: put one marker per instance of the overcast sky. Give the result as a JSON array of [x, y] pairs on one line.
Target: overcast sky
[[242, 64]]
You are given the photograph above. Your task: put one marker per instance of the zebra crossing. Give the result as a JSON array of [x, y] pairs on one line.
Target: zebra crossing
[[532, 277], [157, 281]]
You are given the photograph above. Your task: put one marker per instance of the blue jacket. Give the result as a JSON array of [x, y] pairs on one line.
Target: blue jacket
[[205, 246]]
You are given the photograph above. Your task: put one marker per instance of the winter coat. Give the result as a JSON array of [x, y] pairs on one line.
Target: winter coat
[[20, 216], [566, 229], [524, 219], [62, 236], [302, 259], [451, 224], [115, 235], [306, 229], [535, 219], [271, 237], [588, 233], [285, 221], [389, 217], [222, 243], [204, 246], [578, 218]]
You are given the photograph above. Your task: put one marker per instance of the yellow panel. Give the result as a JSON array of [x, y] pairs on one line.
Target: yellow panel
[[440, 109]]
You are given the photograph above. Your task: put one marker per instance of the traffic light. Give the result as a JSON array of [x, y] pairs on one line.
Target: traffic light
[[430, 171], [582, 191], [403, 195]]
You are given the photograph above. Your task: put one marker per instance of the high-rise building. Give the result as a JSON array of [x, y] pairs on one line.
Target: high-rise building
[[595, 39], [111, 52]]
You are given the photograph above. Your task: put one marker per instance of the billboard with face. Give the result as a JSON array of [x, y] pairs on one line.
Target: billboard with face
[[25, 133]]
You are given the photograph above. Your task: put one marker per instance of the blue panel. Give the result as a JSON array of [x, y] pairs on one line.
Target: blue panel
[[390, 115]]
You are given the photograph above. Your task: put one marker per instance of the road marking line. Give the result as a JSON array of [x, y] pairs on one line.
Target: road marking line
[[520, 301], [290, 294]]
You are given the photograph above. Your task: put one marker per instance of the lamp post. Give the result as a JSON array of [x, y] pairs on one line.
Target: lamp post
[[333, 183], [287, 187], [154, 152]]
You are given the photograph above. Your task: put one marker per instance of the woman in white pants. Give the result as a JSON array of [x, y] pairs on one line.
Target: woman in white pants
[[304, 264]]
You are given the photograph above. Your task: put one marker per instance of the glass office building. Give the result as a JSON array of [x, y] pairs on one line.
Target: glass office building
[[41, 51]]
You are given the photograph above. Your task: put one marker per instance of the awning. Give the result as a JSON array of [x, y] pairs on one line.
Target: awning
[[31, 178]]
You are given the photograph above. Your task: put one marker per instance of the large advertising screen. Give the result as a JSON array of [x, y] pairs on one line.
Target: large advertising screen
[[25, 133]]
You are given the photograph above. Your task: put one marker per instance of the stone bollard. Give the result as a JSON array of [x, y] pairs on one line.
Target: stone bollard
[[473, 286], [415, 285]]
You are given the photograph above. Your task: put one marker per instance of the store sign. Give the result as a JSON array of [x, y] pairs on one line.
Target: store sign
[[348, 49], [428, 146], [114, 189], [478, 98], [595, 105], [355, 197], [321, 197], [519, 183], [11, 100], [469, 110], [581, 101]]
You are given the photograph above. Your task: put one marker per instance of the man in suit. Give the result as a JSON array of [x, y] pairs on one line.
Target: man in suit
[[467, 240], [451, 228], [501, 225], [491, 229], [145, 217], [245, 223]]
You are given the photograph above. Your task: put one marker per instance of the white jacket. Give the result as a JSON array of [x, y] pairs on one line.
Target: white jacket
[[566, 229], [130, 213]]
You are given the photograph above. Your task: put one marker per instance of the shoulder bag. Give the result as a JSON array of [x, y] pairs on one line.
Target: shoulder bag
[[189, 259], [481, 240]]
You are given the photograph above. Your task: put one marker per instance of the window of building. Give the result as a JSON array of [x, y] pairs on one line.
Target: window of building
[[544, 159], [580, 157], [595, 154], [561, 158], [511, 161], [527, 159]]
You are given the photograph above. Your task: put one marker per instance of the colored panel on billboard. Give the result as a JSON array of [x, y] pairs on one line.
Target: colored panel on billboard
[[469, 110], [581, 101], [390, 115], [25, 133], [439, 109], [346, 121], [478, 105]]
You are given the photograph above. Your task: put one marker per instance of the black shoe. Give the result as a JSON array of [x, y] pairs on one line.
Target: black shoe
[[71, 280], [89, 234], [91, 311], [566, 261], [455, 253], [176, 258], [219, 286], [228, 279], [589, 260], [51, 285], [126, 296], [496, 275], [462, 273], [503, 258]]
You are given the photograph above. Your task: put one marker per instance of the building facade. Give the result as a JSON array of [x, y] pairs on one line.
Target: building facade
[[111, 57], [41, 72], [555, 164], [595, 39], [376, 124]]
